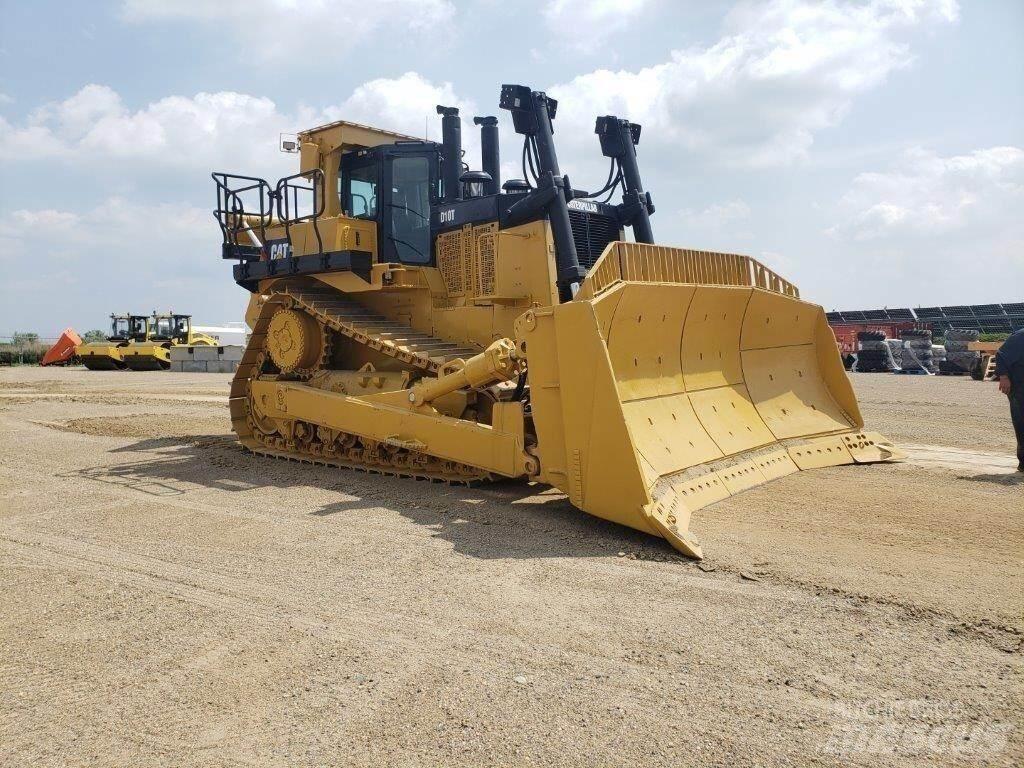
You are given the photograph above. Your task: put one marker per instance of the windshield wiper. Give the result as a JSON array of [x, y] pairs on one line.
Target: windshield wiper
[[406, 242], [407, 208]]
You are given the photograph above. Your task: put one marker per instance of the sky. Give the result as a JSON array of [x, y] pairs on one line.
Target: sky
[[871, 151]]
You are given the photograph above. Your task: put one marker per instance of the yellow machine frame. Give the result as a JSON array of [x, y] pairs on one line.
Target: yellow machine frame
[[108, 355], [670, 380], [154, 353]]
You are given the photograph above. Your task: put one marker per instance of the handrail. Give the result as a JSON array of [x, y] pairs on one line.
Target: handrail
[[233, 218], [286, 193]]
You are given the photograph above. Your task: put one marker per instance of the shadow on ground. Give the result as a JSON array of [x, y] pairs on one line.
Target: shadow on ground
[[490, 520], [1003, 478]]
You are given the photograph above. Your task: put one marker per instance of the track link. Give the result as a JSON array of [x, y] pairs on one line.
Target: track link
[[325, 447]]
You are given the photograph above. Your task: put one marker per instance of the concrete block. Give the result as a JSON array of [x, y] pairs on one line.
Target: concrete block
[[205, 353], [232, 352], [181, 354], [194, 367], [222, 366], [176, 366]]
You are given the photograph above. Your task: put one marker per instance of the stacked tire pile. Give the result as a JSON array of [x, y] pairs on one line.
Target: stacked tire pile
[[917, 351], [959, 359], [896, 350], [873, 354]]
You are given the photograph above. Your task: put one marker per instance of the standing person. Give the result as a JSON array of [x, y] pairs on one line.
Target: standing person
[[1010, 372]]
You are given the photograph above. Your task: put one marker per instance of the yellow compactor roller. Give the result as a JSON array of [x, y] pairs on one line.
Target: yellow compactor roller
[[109, 355], [165, 331], [414, 317]]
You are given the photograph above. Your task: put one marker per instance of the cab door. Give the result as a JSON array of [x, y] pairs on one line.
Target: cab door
[[394, 186], [410, 190]]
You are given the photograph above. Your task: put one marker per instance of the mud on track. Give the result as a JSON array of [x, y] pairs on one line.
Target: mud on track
[[169, 599]]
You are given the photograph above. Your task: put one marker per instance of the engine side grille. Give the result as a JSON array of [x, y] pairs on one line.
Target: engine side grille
[[591, 232], [449, 261]]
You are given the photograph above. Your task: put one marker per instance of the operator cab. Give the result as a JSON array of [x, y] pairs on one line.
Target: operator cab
[[138, 327], [162, 327], [182, 329], [394, 185], [119, 330]]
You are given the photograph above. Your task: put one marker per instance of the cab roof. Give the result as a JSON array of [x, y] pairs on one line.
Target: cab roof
[[343, 135]]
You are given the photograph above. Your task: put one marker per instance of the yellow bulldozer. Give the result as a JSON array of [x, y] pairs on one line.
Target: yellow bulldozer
[[165, 331], [109, 355], [411, 316]]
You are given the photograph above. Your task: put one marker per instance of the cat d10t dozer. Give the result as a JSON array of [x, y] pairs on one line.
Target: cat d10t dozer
[[415, 317], [109, 355], [165, 331]]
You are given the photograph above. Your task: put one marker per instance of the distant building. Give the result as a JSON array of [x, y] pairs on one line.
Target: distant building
[[228, 334]]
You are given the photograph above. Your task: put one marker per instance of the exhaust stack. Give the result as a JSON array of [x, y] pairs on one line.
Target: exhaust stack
[[451, 152], [618, 140], [490, 157]]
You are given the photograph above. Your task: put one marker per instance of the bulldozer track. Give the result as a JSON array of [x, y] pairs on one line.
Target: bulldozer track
[[349, 318]]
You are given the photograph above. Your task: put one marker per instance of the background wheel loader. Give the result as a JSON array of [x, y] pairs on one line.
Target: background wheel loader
[[411, 316], [165, 331], [109, 355]]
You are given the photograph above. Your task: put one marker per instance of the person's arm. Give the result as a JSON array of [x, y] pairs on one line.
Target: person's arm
[[1002, 366], [1008, 355]]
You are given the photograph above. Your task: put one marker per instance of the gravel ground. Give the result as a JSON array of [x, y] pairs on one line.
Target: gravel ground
[[169, 600]]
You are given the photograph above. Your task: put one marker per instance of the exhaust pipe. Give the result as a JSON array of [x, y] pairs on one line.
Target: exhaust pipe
[[451, 152], [490, 158], [618, 140]]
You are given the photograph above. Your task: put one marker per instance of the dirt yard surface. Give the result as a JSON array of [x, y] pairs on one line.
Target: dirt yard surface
[[170, 600]]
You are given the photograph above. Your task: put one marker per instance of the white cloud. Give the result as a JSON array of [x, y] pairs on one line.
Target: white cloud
[[44, 221], [134, 249], [723, 226], [68, 235], [274, 29], [929, 230], [928, 195], [406, 104], [783, 71], [207, 131], [585, 25], [117, 255], [199, 131], [717, 215]]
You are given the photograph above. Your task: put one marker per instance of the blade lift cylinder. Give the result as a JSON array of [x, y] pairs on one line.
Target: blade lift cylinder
[[618, 140], [532, 113]]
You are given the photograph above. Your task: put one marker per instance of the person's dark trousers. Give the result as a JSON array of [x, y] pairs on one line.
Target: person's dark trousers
[[1017, 414]]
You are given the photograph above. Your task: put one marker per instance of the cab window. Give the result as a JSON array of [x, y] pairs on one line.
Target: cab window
[[359, 192], [139, 327], [409, 209], [163, 328]]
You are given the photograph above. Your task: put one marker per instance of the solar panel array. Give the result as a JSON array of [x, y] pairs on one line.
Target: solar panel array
[[987, 318]]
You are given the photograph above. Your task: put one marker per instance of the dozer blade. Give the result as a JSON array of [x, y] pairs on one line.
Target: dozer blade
[[652, 400]]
